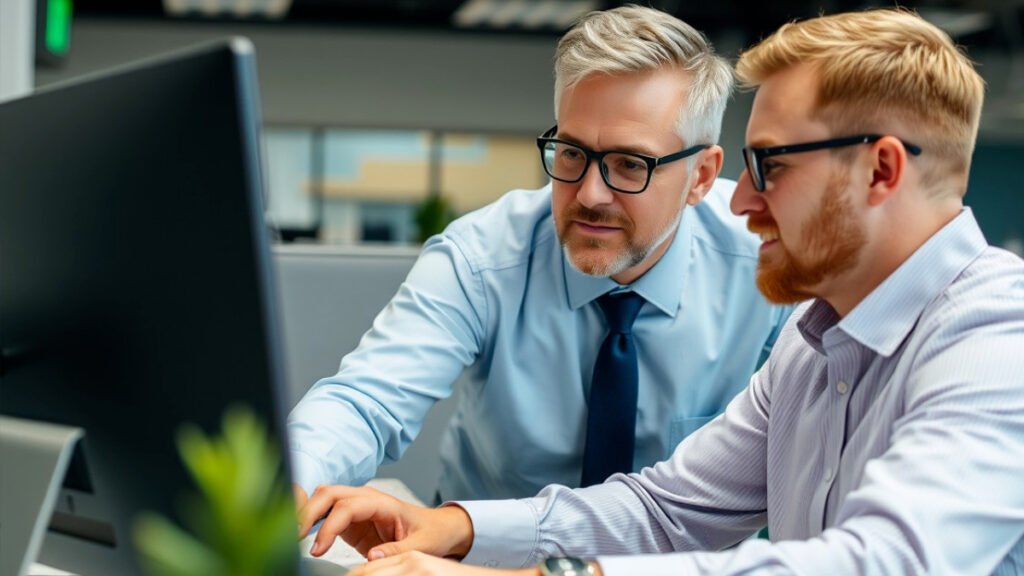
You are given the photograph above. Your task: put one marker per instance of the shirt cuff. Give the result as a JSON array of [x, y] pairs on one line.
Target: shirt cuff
[[306, 472], [504, 532]]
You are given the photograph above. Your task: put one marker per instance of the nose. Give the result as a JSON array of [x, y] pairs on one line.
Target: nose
[[592, 189], [746, 201]]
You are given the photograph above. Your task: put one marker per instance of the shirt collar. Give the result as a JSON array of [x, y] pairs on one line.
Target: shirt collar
[[887, 315], [662, 285]]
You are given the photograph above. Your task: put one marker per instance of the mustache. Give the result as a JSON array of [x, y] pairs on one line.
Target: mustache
[[758, 225], [581, 212]]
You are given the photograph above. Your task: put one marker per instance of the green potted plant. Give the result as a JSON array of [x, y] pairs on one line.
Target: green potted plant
[[432, 215], [240, 522]]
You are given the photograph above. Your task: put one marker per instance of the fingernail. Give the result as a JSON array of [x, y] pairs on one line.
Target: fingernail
[[375, 555], [315, 549]]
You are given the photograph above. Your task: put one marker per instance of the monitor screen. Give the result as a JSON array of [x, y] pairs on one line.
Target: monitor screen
[[135, 281]]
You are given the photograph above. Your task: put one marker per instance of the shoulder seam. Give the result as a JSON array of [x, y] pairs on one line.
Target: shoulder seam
[[478, 266]]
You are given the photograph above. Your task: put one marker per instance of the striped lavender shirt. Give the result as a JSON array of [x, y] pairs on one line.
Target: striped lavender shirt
[[887, 442]]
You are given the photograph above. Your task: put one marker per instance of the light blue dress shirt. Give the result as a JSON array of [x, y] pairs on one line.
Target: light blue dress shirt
[[495, 296], [888, 442]]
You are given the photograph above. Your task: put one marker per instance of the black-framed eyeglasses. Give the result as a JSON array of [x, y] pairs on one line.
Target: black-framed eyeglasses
[[755, 156], [626, 172]]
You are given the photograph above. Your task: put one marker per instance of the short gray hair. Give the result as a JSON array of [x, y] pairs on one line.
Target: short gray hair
[[638, 39]]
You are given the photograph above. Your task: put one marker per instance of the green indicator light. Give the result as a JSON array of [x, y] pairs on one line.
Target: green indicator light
[[58, 26]]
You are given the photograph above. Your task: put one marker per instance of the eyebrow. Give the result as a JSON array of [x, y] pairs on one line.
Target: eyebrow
[[640, 149], [763, 143]]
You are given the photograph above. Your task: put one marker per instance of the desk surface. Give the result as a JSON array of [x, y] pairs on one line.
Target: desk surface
[[340, 553]]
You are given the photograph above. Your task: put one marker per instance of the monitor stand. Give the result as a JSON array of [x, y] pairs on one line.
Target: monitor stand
[[36, 457]]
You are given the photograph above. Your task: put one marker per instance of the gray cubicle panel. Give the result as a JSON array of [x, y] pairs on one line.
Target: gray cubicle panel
[[329, 298]]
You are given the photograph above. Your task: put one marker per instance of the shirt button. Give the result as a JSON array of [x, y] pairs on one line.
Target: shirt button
[[841, 387], [828, 475]]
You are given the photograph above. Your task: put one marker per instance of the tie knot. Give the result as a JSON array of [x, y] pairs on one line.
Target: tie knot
[[620, 310]]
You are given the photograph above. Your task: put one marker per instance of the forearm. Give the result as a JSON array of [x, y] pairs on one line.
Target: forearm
[[319, 456], [559, 522], [868, 546], [373, 408]]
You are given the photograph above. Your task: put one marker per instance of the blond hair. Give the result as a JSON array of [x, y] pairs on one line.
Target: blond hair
[[636, 39], [883, 71]]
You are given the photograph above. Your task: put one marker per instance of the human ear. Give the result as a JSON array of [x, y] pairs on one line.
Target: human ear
[[707, 167], [888, 165]]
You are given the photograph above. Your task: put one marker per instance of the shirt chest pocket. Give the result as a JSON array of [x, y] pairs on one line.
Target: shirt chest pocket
[[680, 428]]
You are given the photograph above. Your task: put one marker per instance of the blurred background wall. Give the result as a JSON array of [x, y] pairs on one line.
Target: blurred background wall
[[373, 106]]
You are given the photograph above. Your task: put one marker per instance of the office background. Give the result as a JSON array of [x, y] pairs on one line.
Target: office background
[[371, 107]]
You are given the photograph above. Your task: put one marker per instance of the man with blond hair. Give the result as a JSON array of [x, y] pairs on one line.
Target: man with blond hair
[[885, 433], [600, 320]]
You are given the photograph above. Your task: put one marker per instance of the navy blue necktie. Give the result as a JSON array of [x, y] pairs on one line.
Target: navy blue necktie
[[611, 410]]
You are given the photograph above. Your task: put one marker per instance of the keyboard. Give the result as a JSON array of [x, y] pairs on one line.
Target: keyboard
[[318, 567], [335, 562]]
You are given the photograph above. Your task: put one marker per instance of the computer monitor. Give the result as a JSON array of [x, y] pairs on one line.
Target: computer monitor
[[135, 282]]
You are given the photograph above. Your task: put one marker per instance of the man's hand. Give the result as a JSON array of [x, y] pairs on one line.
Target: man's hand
[[379, 526], [300, 497], [419, 564]]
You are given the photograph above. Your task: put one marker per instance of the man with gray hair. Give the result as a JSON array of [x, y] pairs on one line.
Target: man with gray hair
[[600, 321]]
